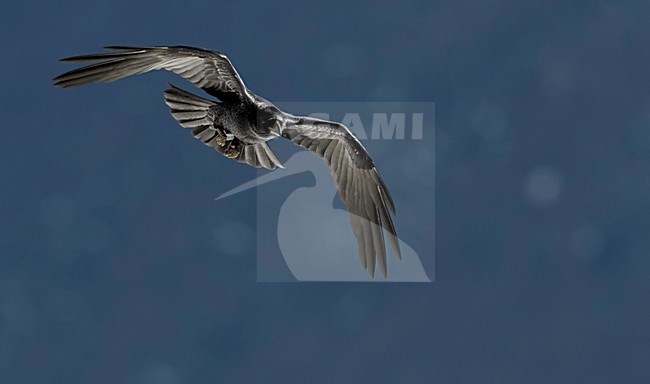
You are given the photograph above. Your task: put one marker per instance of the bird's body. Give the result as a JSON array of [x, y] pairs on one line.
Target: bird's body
[[240, 123], [243, 120]]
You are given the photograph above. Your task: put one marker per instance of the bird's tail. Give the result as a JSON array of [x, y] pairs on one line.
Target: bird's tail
[[189, 110]]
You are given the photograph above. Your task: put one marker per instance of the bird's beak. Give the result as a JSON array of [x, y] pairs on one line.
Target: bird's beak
[[295, 167], [266, 178]]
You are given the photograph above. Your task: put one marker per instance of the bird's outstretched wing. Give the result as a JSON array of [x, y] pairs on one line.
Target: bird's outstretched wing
[[208, 70], [360, 187]]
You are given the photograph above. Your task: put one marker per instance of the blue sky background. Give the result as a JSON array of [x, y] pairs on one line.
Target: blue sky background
[[111, 272]]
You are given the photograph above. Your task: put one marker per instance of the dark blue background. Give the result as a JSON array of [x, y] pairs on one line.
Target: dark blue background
[[110, 264]]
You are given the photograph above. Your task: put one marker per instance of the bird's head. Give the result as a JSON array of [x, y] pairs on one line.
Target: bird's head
[[269, 118]]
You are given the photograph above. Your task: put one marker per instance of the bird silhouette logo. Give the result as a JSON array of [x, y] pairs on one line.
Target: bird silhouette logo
[[323, 249]]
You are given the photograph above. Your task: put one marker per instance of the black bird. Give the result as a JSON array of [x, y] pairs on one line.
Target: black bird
[[239, 125]]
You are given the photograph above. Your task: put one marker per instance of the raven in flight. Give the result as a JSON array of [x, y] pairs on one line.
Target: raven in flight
[[240, 123]]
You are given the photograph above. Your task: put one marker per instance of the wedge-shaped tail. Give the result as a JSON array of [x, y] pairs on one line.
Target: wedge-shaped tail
[[189, 110]]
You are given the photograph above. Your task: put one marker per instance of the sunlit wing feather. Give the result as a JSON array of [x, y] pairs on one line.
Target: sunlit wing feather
[[208, 70], [359, 184]]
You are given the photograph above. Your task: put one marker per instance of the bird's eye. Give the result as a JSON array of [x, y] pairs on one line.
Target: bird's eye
[[266, 116]]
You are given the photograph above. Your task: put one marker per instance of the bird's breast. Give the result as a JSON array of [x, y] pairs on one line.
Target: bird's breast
[[241, 122]]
